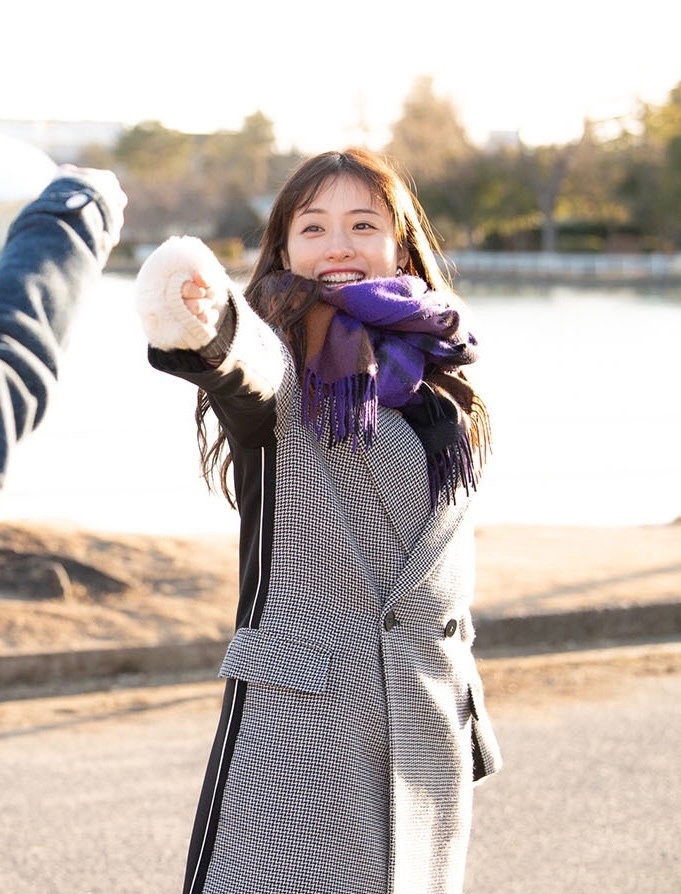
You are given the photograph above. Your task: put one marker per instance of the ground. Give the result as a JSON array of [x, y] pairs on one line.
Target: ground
[[63, 588]]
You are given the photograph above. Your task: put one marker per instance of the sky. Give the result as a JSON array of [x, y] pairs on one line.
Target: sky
[[329, 75]]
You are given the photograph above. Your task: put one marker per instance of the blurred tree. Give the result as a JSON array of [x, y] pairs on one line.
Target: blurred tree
[[215, 159], [544, 170], [478, 195], [98, 156], [650, 186], [428, 137], [588, 207], [670, 197], [663, 123], [238, 218], [150, 151], [199, 183], [662, 144], [506, 208], [241, 158], [255, 147]]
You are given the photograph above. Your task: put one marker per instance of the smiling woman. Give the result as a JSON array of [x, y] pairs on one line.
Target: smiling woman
[[354, 724]]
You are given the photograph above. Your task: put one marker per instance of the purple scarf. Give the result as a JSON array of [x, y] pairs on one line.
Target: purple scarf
[[394, 342]]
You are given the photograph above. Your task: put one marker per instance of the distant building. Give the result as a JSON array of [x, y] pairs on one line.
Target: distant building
[[63, 141]]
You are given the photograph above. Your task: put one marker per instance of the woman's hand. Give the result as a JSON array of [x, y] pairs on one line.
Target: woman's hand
[[198, 300], [179, 306]]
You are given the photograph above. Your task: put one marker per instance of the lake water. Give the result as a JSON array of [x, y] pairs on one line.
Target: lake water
[[582, 385]]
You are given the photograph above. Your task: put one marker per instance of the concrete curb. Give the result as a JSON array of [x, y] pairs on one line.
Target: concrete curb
[[91, 664], [577, 629], [495, 637]]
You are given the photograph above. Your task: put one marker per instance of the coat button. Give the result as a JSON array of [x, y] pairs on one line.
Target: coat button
[[390, 620], [450, 629]]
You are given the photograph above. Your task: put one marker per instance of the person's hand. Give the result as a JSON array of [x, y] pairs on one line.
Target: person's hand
[[199, 299], [107, 186], [181, 291]]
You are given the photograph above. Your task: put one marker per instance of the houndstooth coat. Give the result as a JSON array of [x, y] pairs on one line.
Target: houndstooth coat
[[353, 723]]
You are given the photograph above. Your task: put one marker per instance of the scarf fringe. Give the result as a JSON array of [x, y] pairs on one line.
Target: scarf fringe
[[450, 469], [349, 406], [460, 464], [481, 430]]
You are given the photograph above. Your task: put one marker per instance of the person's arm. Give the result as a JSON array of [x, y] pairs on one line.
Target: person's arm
[[216, 342], [54, 252]]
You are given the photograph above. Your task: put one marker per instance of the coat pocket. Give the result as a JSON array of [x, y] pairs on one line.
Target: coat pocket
[[486, 753], [263, 657]]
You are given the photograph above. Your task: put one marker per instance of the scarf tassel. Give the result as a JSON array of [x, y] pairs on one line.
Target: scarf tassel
[[451, 468], [479, 418], [460, 462], [349, 405]]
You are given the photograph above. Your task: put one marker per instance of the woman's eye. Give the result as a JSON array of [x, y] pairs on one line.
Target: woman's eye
[[363, 225], [312, 228]]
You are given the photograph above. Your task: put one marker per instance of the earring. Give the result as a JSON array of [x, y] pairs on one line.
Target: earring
[[400, 272]]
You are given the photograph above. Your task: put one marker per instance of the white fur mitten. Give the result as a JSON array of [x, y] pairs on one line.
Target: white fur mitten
[[167, 322]]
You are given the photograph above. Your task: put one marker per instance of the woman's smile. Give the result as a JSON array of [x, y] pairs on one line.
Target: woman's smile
[[340, 277]]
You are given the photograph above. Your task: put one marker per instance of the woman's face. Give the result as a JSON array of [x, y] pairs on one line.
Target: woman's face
[[344, 236]]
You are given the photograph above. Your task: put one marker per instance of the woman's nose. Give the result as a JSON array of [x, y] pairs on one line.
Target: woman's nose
[[339, 247]]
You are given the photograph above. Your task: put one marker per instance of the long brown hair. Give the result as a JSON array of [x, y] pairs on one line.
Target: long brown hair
[[412, 231]]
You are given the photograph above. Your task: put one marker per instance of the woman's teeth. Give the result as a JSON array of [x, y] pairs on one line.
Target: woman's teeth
[[334, 278]]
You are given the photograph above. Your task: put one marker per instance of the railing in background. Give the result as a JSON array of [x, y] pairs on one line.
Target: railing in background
[[616, 268]]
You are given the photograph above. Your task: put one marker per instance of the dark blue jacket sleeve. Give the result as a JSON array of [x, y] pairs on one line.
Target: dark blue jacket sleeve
[[53, 254]]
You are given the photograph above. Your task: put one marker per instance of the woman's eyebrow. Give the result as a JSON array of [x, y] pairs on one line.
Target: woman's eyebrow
[[353, 211]]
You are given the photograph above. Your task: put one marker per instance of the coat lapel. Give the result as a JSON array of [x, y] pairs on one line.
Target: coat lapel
[[435, 538], [402, 494], [424, 534]]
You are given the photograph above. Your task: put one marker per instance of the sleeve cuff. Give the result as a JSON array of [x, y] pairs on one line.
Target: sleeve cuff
[[216, 350]]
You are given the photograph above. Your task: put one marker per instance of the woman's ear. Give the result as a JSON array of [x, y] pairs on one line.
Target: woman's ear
[[284, 259], [403, 257]]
